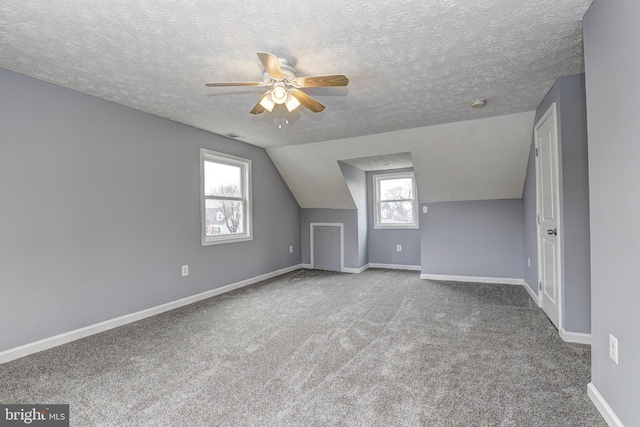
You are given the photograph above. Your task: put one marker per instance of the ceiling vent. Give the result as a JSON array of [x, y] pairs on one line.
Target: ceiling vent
[[232, 135]]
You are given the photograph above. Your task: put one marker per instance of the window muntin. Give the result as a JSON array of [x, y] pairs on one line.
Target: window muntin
[[395, 204], [225, 198]]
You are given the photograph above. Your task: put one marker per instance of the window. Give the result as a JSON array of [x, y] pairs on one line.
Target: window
[[395, 204], [225, 193]]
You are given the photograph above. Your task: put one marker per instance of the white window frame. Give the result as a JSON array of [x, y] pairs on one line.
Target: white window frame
[[247, 222], [377, 178]]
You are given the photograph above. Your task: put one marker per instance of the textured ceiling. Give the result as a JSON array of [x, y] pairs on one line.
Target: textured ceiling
[[383, 162], [411, 63]]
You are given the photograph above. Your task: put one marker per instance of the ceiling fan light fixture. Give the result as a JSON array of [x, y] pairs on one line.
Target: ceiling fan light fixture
[[285, 86], [279, 93], [267, 103], [291, 103]]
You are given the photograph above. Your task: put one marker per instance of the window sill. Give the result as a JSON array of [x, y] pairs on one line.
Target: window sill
[[212, 242], [396, 227]]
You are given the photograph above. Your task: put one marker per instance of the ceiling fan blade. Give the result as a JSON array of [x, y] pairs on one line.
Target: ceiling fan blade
[[317, 81], [271, 64], [307, 101], [258, 109], [233, 84]]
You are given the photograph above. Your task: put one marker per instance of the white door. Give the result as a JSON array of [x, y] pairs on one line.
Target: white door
[[546, 137]]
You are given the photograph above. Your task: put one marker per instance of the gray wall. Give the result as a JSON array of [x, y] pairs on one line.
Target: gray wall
[[100, 208], [569, 95], [356, 180], [348, 217], [530, 245], [382, 243], [612, 57], [473, 238], [575, 204]]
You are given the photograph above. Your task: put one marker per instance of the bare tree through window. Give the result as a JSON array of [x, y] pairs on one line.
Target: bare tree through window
[[231, 209], [398, 205], [395, 200]]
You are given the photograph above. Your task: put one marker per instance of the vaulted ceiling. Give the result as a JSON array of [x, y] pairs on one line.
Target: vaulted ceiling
[[411, 63]]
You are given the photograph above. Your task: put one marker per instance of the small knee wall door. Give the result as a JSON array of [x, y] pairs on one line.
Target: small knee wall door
[[326, 246]]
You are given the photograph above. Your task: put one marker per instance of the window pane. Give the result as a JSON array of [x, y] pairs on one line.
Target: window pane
[[222, 180], [223, 217], [396, 189], [396, 213]]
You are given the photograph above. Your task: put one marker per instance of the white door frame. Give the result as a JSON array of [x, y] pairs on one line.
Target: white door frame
[[551, 111], [327, 224]]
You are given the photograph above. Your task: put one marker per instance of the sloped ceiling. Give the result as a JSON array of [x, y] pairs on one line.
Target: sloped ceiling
[[412, 64], [470, 160]]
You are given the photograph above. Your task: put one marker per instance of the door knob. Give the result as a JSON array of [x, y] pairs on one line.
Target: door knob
[[553, 232]]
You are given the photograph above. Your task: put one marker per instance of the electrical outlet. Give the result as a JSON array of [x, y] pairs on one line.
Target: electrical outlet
[[291, 249], [398, 248], [529, 262], [613, 348], [424, 209], [185, 270]]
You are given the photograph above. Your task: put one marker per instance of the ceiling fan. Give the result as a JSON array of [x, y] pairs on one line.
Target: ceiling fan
[[284, 85]]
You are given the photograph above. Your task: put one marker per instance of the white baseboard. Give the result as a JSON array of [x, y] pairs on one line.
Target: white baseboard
[[577, 337], [396, 266], [603, 407], [473, 279], [54, 341], [355, 270], [528, 288], [344, 270], [373, 265]]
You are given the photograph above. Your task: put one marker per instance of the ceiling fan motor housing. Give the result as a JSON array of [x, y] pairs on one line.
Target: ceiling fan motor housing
[[288, 73]]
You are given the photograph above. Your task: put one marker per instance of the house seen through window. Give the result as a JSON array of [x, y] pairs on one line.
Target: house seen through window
[[395, 203], [226, 198]]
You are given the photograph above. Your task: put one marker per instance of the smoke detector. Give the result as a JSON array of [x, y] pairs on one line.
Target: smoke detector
[[478, 103]]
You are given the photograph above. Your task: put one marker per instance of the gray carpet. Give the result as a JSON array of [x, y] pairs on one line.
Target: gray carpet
[[313, 348]]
